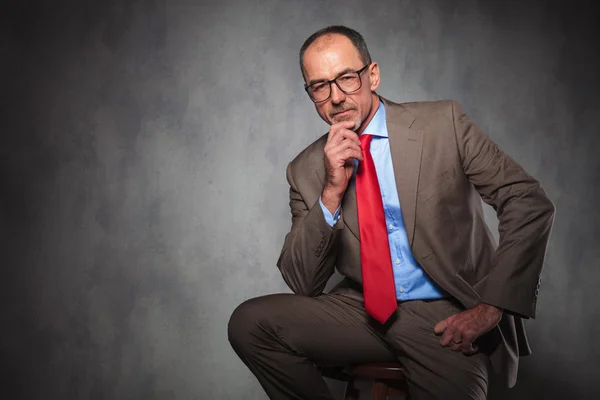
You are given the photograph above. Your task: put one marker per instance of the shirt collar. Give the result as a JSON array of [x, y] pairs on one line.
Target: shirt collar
[[377, 126]]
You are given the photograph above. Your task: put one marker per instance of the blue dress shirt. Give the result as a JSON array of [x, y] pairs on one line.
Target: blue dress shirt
[[412, 283]]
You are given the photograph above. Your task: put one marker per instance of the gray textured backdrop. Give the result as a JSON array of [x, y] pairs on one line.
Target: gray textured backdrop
[[142, 175]]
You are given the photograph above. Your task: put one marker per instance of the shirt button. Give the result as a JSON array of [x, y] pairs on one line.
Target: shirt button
[[397, 261], [401, 289], [390, 226]]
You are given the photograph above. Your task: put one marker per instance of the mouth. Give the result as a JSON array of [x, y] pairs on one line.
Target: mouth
[[343, 113]]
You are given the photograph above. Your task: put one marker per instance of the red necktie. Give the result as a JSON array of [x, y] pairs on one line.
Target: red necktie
[[378, 278]]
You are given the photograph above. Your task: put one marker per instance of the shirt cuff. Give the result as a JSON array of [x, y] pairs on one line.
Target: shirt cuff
[[331, 219]]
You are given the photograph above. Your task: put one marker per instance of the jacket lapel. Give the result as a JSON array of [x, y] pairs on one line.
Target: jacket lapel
[[406, 147]]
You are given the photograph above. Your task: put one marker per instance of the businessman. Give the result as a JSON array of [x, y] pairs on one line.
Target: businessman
[[391, 197]]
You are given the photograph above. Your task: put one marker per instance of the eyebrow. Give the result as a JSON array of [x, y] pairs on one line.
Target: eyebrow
[[312, 82]]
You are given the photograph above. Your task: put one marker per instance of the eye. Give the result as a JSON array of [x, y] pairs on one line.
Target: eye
[[318, 87], [346, 78]]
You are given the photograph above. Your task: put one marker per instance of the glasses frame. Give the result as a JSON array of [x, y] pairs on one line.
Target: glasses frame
[[358, 71]]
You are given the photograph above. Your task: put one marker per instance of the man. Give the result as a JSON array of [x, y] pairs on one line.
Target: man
[[391, 198]]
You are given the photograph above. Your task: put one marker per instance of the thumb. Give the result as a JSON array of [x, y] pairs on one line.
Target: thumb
[[441, 327]]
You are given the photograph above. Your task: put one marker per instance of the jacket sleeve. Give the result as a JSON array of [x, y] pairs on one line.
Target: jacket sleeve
[[525, 216], [307, 259]]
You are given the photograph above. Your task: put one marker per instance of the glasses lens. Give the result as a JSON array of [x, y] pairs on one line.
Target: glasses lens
[[349, 82], [319, 91]]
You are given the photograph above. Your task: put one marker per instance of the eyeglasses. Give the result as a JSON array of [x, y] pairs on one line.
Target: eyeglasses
[[348, 83]]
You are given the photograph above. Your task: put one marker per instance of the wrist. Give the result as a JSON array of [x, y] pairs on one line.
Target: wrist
[[331, 199], [488, 308], [333, 190]]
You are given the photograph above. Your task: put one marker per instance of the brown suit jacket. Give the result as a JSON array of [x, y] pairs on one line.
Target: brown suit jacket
[[443, 165]]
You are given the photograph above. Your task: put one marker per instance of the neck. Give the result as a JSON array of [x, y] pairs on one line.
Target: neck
[[374, 108]]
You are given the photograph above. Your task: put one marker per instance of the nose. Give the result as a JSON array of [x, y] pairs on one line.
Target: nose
[[337, 96]]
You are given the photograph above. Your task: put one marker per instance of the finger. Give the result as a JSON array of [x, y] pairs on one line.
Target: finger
[[338, 137], [440, 327], [343, 144], [447, 337], [349, 154], [338, 134], [339, 153], [349, 136], [456, 346], [333, 139], [457, 337], [471, 350], [467, 343], [341, 150]]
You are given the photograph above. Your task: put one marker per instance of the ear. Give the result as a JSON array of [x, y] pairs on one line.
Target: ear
[[374, 77]]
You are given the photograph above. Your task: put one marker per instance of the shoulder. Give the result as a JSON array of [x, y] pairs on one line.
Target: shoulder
[[430, 108], [425, 115]]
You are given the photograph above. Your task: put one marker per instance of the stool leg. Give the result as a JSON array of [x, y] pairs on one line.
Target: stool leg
[[351, 392], [380, 391], [399, 389]]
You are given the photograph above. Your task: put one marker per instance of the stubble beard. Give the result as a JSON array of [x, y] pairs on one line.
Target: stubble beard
[[353, 118]]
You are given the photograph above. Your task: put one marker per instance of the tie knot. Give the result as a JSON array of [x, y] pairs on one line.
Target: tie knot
[[365, 141]]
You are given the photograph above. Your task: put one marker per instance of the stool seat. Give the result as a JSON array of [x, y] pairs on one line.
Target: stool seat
[[391, 371], [388, 380]]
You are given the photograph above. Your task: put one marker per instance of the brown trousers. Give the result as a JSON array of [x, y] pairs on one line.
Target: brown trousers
[[282, 338]]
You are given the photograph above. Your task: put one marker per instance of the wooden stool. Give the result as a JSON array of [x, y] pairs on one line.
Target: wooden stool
[[388, 380]]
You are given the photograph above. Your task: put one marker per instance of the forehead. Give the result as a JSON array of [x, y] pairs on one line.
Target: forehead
[[328, 56]]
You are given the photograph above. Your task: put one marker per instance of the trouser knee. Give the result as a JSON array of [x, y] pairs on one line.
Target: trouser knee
[[248, 326]]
